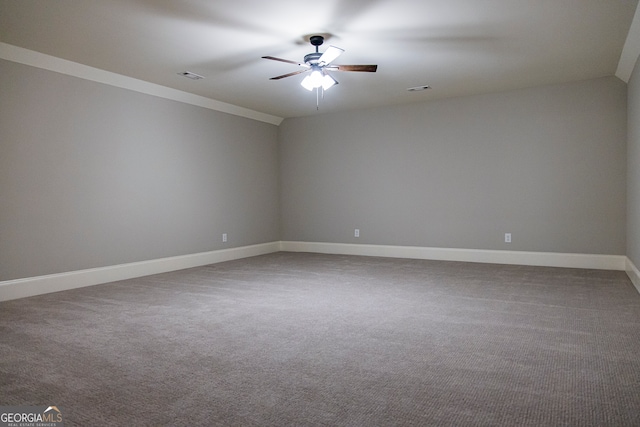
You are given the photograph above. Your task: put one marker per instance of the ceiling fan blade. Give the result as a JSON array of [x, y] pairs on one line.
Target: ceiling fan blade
[[365, 68], [330, 54], [283, 60], [288, 75]]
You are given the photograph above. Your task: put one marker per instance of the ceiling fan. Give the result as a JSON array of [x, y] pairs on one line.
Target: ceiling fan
[[319, 65]]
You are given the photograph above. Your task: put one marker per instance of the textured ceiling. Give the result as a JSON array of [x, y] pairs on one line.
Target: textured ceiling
[[458, 47]]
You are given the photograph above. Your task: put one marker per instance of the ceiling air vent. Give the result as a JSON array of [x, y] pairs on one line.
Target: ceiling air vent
[[418, 88], [190, 75]]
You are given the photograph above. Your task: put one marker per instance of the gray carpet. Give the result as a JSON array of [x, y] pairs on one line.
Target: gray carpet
[[324, 340]]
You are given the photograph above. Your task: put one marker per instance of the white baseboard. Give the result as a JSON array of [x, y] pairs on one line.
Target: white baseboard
[[633, 273], [20, 288], [548, 259]]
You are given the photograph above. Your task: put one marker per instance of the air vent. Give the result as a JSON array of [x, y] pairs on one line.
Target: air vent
[[190, 75], [418, 88]]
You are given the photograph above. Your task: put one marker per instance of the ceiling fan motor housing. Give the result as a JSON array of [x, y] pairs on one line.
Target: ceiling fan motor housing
[[312, 58]]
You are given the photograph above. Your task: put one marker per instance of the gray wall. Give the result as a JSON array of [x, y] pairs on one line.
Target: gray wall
[[546, 164], [633, 168], [92, 175]]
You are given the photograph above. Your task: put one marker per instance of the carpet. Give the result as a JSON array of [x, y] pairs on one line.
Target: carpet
[[330, 340]]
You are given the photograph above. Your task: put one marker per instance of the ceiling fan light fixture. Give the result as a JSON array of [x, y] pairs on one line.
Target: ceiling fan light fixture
[[316, 77], [318, 65], [313, 80], [328, 82], [306, 83]]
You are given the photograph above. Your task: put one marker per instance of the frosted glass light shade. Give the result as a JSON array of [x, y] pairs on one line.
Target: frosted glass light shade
[[317, 79]]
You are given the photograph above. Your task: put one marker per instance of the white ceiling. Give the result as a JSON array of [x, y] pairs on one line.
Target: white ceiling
[[459, 47]]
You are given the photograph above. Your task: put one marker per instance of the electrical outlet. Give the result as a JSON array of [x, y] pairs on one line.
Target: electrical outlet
[[507, 237], [356, 233], [224, 237]]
